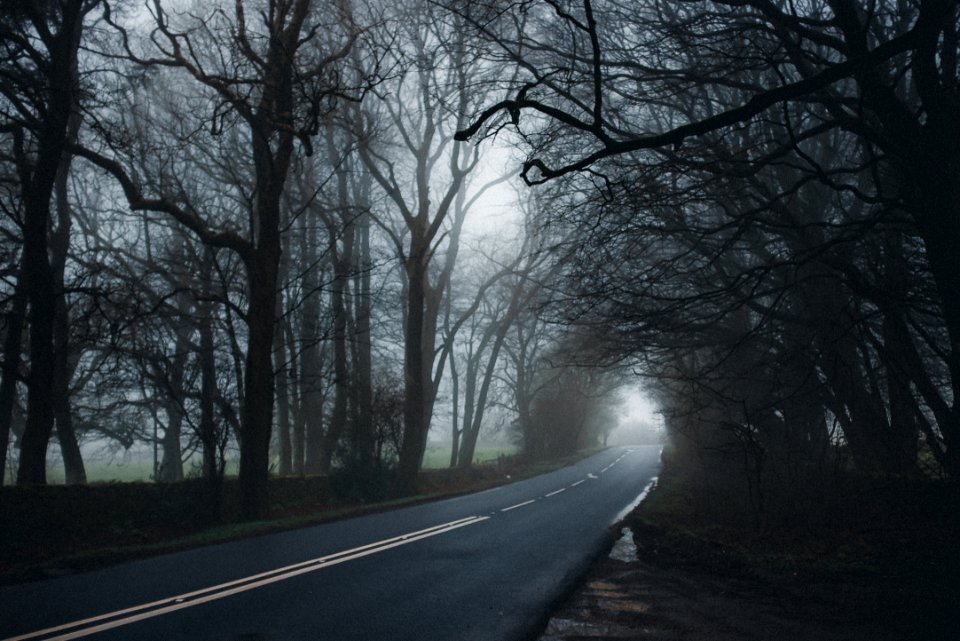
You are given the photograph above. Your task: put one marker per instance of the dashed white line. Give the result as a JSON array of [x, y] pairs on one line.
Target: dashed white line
[[513, 507], [555, 492], [578, 482]]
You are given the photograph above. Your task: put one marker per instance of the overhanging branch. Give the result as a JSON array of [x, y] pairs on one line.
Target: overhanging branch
[[675, 137]]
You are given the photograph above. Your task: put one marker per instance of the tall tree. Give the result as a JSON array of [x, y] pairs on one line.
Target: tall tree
[[41, 93], [883, 76], [273, 78], [434, 88]]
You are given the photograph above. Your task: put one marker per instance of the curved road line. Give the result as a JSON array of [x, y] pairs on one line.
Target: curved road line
[[92, 625]]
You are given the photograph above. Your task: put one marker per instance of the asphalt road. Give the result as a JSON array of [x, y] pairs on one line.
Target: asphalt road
[[483, 566]]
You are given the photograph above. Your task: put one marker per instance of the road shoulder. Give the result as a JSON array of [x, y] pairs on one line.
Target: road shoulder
[[677, 585]]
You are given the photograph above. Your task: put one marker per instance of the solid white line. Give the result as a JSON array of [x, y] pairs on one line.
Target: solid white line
[[513, 507], [633, 504], [578, 482], [237, 586], [213, 588], [555, 492]]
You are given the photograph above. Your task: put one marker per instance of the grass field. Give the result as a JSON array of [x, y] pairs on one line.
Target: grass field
[[439, 456], [119, 471], [122, 467], [129, 467]]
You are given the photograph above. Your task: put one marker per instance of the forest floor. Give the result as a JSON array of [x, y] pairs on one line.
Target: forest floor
[[684, 578], [31, 551]]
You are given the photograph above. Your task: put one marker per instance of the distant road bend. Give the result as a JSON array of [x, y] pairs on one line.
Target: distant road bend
[[483, 566]]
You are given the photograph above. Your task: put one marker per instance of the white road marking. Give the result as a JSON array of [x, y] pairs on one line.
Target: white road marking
[[513, 507], [627, 510], [223, 590], [592, 476], [554, 493], [578, 483]]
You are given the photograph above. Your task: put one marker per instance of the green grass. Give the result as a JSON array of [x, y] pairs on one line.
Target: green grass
[[108, 471], [123, 469], [130, 467], [439, 456]]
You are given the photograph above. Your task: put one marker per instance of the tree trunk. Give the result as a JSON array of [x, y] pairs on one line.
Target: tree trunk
[[365, 447], [931, 161], [208, 397], [469, 444], [363, 428], [38, 276], [171, 465], [523, 395], [477, 400], [939, 225], [299, 441], [312, 400], [341, 374], [12, 352], [867, 419], [75, 474], [455, 407], [40, 411], [64, 368], [342, 259], [272, 140], [471, 430], [293, 398], [901, 439], [310, 425], [415, 421], [209, 437], [285, 453], [257, 414]]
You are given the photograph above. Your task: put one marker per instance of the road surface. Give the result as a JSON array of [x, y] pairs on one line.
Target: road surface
[[482, 566]]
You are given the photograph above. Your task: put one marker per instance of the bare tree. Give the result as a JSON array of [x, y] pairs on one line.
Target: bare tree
[[274, 78], [41, 92], [885, 75], [435, 86], [500, 302]]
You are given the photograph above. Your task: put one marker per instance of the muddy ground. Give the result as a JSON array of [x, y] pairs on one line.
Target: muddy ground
[[673, 586]]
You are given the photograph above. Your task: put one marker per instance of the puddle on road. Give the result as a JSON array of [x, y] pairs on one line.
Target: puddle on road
[[624, 549]]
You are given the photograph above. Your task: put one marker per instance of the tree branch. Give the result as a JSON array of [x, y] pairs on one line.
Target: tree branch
[[675, 137]]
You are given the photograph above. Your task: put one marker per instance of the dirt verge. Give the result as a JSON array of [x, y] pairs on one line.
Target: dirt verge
[[889, 583]]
